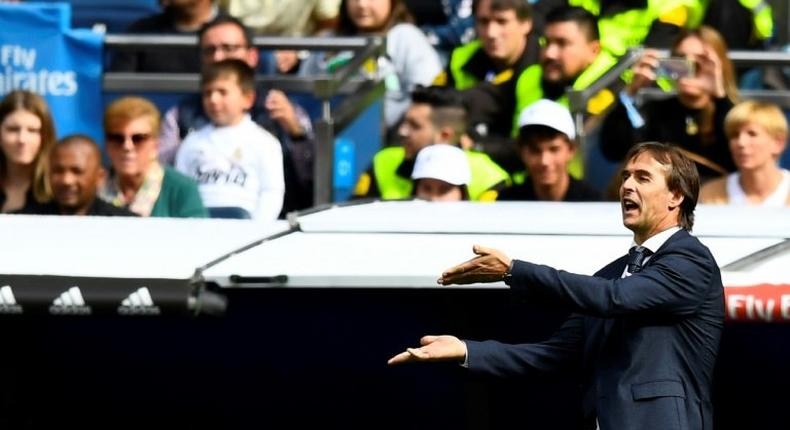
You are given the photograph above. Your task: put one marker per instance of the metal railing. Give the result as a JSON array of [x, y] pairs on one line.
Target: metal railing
[[360, 92]]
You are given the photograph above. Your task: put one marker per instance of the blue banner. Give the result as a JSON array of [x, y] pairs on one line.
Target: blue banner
[[41, 53]]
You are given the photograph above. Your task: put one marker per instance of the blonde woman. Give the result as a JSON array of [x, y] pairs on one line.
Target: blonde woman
[[757, 134]]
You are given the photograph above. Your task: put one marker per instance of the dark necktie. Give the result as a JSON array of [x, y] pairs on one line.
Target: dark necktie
[[636, 256]]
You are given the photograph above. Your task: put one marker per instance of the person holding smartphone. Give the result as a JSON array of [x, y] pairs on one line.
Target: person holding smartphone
[[694, 118]]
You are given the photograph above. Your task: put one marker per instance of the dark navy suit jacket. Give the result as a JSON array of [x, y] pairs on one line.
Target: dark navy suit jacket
[[645, 346]]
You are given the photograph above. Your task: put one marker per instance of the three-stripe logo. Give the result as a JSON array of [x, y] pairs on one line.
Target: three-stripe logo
[[8, 304], [139, 302], [70, 302]]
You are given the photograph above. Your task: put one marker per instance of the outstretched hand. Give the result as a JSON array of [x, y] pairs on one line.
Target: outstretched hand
[[434, 348], [490, 265]]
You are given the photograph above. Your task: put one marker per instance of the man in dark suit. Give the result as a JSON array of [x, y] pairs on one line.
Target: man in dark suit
[[646, 328]]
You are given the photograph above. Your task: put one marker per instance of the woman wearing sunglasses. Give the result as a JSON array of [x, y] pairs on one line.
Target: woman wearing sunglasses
[[137, 181]]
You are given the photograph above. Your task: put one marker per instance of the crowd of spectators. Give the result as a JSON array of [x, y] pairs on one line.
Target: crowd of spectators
[[475, 108]]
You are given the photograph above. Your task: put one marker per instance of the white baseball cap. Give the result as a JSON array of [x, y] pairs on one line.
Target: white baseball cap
[[550, 114], [444, 162]]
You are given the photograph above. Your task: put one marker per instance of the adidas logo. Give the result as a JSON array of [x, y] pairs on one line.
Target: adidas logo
[[139, 303], [8, 304], [70, 302]]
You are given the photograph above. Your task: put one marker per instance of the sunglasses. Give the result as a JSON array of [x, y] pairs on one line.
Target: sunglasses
[[119, 138]]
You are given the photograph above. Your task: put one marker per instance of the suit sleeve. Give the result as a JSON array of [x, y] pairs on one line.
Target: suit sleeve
[[561, 351], [674, 282]]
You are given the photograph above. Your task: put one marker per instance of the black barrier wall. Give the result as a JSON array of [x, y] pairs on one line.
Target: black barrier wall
[[307, 358]]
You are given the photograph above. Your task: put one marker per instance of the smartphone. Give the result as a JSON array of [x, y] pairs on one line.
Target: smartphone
[[675, 68]]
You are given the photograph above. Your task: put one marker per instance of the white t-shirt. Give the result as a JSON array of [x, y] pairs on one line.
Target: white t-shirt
[[235, 166], [777, 199]]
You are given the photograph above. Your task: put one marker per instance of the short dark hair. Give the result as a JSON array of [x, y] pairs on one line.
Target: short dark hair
[[79, 139], [682, 176], [447, 107], [437, 96], [244, 74], [586, 21], [226, 19], [522, 7]]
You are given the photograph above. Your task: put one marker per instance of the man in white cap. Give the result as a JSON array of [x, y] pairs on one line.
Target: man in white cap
[[441, 173], [546, 145]]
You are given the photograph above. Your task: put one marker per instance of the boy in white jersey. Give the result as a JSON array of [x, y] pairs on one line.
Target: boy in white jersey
[[237, 164]]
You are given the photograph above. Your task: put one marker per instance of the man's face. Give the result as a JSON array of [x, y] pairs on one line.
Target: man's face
[[547, 159], [436, 190], [647, 204], [566, 51], [132, 147], [226, 41], [75, 175], [225, 102], [417, 130], [503, 35]]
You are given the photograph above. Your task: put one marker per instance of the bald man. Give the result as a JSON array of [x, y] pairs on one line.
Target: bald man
[[75, 175]]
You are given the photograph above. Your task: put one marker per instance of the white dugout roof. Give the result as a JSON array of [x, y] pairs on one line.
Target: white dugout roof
[[378, 244]]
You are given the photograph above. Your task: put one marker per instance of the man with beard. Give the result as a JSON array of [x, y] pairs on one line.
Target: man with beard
[[571, 56]]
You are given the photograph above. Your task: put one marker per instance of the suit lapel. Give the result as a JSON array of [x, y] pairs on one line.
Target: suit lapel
[[668, 243], [615, 271]]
